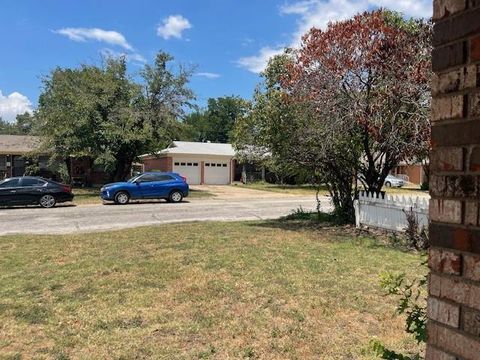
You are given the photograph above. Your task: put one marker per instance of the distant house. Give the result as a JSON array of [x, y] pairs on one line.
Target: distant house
[[200, 163], [13, 154], [414, 173], [15, 158]]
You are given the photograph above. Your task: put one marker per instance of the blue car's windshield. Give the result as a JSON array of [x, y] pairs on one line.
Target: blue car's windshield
[[133, 179]]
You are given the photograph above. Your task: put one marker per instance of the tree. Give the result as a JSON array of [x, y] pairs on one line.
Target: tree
[[100, 113], [7, 128], [216, 123], [295, 134], [24, 124], [371, 75]]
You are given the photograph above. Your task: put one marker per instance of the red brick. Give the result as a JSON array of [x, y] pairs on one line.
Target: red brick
[[471, 321], [471, 267], [450, 237], [446, 211], [434, 285], [474, 107], [448, 107], [444, 8], [456, 27], [448, 56], [475, 49], [437, 185], [471, 213], [447, 159], [158, 164], [465, 186], [462, 240], [455, 238], [472, 76], [445, 261], [456, 290], [475, 159], [452, 341], [435, 354], [443, 312], [456, 134], [456, 80]]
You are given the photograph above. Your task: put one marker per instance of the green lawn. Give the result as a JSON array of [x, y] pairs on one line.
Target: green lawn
[[88, 196], [266, 290]]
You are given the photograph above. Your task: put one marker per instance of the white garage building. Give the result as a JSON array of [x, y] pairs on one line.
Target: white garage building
[[200, 163]]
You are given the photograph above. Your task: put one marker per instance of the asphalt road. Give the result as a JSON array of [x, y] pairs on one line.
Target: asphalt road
[[89, 218]]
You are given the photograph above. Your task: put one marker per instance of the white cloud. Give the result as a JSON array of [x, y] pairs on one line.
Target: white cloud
[[208, 75], [257, 63], [130, 56], [318, 13], [12, 105], [299, 7], [411, 8], [85, 34], [173, 27]]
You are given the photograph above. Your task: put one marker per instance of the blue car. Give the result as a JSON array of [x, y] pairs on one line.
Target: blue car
[[151, 185]]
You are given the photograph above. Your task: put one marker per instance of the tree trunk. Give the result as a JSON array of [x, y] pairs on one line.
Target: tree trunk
[[123, 167], [68, 164]]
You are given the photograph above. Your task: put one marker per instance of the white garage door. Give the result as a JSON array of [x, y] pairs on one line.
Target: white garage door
[[217, 173], [189, 169]]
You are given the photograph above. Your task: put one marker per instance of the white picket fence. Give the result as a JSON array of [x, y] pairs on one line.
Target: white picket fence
[[387, 212]]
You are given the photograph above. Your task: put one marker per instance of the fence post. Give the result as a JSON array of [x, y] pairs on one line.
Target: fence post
[[356, 205]]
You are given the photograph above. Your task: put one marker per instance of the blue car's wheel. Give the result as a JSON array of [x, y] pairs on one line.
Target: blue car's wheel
[[122, 198], [175, 196]]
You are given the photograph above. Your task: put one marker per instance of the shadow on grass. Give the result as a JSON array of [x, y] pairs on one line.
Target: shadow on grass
[[328, 228], [300, 219]]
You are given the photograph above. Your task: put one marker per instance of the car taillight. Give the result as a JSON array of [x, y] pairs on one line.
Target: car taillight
[[67, 188], [184, 179]]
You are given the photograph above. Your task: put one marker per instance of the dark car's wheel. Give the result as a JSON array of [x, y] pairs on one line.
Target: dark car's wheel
[[175, 196], [122, 198], [47, 201], [388, 184]]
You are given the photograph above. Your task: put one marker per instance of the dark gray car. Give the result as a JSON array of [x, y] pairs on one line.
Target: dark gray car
[[30, 190]]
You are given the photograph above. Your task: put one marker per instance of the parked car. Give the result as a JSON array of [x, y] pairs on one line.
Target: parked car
[[31, 190], [393, 181], [151, 185]]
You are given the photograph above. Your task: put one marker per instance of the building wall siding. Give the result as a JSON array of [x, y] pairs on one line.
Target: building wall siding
[[454, 282], [164, 163]]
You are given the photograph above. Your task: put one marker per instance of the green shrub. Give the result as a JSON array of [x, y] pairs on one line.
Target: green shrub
[[412, 303]]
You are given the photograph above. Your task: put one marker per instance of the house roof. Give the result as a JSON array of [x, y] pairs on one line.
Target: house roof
[[18, 144], [197, 148]]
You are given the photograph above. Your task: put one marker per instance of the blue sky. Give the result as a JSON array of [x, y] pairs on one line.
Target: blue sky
[[229, 41]]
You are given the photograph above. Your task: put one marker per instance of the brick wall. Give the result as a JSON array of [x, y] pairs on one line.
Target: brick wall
[[454, 284], [158, 164]]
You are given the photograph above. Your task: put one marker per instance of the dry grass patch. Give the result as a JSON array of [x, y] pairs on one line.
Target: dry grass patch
[[285, 189], [261, 290]]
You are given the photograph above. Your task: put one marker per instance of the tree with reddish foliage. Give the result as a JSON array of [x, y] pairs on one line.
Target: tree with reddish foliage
[[370, 73]]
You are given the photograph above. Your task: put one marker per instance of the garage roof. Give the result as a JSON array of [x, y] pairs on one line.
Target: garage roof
[[198, 148], [18, 144]]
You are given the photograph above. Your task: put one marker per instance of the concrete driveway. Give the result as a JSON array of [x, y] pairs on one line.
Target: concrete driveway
[[245, 205], [229, 192]]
